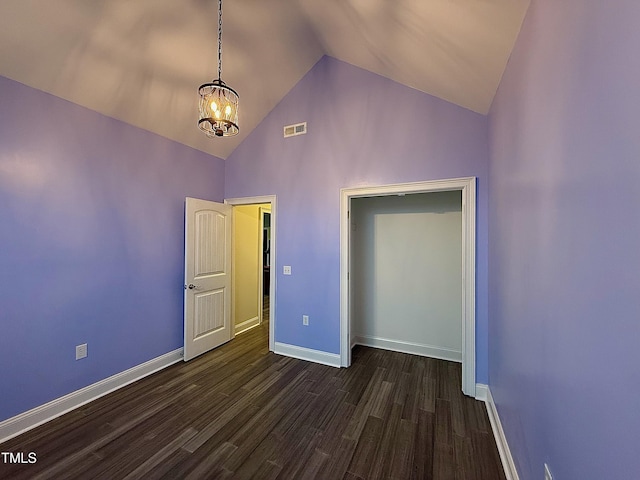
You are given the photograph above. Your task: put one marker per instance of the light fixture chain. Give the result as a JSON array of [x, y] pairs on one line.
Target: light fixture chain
[[219, 39]]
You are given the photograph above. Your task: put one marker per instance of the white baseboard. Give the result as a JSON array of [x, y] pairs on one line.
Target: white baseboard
[[302, 353], [481, 392], [408, 347], [503, 447], [25, 421], [247, 325]]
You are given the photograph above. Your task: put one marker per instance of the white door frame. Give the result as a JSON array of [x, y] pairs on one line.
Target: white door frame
[[467, 186], [271, 199]]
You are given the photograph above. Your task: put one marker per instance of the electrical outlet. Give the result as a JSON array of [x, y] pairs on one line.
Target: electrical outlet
[[81, 351], [286, 270], [547, 473], [305, 319]]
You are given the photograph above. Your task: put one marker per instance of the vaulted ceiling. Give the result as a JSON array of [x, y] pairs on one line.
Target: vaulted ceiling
[[142, 61]]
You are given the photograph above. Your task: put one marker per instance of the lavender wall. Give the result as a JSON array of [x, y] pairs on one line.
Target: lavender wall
[[363, 129], [91, 244], [564, 339]]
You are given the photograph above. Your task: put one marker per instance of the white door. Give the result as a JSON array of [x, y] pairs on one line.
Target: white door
[[207, 278]]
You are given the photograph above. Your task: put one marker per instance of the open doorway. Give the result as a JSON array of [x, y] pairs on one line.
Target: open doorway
[[406, 273], [467, 189], [265, 248], [253, 258]]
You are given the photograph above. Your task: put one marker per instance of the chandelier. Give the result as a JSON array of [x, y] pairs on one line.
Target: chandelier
[[218, 102]]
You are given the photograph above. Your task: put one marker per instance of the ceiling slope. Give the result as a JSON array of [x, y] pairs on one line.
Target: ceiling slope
[[142, 62]]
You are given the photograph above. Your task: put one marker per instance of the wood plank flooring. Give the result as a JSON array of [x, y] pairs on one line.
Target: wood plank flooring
[[243, 412]]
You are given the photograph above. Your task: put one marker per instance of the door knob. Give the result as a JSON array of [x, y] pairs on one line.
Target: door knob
[[192, 286]]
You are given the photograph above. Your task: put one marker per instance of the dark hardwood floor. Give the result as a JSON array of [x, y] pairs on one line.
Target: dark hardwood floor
[[243, 412]]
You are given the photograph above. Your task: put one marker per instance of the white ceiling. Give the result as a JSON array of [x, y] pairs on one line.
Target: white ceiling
[[142, 61]]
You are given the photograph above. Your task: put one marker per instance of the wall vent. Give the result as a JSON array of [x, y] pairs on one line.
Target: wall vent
[[297, 129]]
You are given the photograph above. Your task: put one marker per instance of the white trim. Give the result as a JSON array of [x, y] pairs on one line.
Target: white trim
[[302, 353], [501, 440], [345, 263], [247, 325], [272, 272], [481, 392], [37, 416], [408, 347], [467, 186]]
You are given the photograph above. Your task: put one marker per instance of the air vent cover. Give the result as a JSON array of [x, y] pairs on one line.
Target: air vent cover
[[297, 129]]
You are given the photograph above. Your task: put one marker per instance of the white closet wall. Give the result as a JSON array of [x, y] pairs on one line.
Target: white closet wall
[[406, 273]]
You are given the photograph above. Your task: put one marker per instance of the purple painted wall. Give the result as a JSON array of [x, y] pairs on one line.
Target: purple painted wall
[[91, 244], [363, 129], [564, 339]]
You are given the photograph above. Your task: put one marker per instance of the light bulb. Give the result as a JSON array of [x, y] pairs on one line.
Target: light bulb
[[227, 110], [214, 107], [217, 113]]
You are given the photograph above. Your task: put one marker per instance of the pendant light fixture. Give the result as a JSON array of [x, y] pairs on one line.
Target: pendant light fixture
[[218, 102]]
